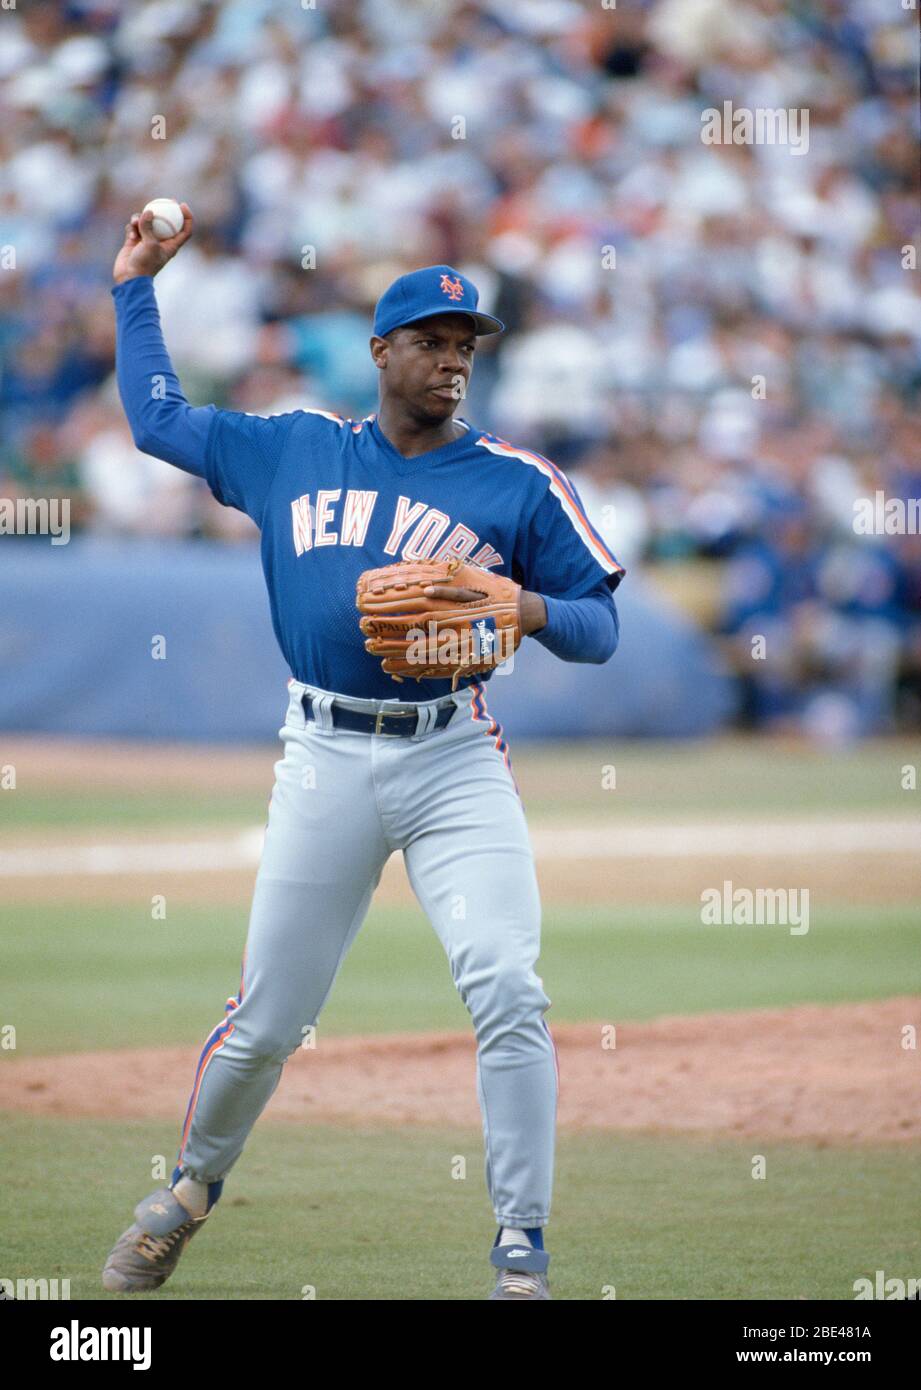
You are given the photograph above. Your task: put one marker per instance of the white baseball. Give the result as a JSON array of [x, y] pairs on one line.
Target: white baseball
[[168, 219]]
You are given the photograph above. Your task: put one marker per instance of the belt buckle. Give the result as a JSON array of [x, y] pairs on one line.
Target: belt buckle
[[392, 714]]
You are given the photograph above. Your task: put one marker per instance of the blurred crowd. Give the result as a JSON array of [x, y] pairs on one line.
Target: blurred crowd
[[719, 342]]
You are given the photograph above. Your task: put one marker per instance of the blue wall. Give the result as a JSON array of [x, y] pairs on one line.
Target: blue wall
[[76, 624]]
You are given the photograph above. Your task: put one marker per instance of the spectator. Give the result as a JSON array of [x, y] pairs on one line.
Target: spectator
[[721, 342]]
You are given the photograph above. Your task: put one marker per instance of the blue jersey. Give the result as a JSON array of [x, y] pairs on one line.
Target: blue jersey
[[333, 497]]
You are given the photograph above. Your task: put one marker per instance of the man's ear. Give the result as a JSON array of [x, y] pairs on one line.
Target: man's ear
[[379, 347]]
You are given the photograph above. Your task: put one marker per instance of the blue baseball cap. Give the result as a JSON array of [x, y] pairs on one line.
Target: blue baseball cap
[[435, 289]]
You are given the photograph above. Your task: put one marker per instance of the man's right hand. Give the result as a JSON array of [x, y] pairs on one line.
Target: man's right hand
[[142, 253]]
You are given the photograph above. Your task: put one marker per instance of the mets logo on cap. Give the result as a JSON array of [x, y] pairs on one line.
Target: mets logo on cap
[[452, 288]]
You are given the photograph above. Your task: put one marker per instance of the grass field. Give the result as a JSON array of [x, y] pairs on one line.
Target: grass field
[[83, 978], [369, 1213]]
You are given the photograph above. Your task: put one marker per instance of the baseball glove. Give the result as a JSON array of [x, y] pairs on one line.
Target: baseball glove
[[469, 623]]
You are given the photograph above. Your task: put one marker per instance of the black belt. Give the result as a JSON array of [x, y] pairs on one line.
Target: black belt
[[401, 723]]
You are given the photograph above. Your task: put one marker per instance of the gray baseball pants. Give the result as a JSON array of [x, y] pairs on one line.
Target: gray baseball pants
[[342, 803]]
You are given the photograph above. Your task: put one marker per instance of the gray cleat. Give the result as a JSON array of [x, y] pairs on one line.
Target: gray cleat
[[145, 1256], [522, 1272]]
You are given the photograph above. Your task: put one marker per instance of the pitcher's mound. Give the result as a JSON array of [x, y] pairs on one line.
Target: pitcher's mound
[[842, 1073]]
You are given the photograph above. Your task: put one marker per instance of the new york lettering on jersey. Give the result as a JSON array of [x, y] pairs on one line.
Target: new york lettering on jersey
[[417, 531]]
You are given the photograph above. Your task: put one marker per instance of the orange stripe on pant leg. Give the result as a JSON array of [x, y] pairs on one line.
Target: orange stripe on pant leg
[[208, 1052], [199, 1077], [495, 727]]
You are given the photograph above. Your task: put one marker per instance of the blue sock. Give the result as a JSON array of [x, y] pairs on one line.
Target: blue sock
[[214, 1188], [534, 1234]]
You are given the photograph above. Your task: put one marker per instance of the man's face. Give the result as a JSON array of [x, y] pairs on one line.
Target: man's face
[[428, 364]]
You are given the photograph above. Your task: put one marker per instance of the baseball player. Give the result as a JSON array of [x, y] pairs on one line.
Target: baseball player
[[458, 520]]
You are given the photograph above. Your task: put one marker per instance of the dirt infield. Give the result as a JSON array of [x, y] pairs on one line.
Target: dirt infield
[[832, 1074], [50, 760]]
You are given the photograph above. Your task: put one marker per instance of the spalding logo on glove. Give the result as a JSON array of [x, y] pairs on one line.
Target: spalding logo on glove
[[429, 637]]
